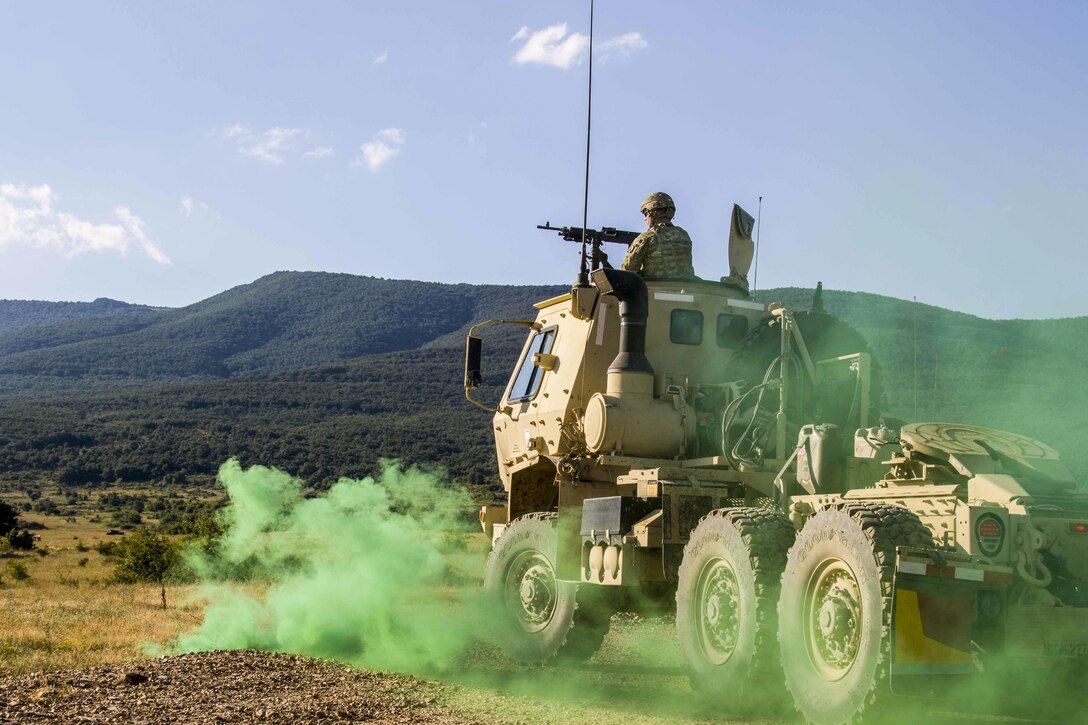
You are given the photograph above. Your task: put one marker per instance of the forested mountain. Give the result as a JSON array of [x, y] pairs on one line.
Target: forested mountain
[[283, 321], [324, 374], [16, 315]]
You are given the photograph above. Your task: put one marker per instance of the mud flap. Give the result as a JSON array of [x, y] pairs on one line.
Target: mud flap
[[932, 613]]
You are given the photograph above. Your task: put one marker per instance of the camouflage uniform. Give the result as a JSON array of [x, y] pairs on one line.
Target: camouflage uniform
[[663, 250]]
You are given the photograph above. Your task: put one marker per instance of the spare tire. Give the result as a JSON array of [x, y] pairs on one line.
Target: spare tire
[[836, 401]]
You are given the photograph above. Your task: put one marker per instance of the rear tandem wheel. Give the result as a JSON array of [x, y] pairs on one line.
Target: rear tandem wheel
[[834, 615]]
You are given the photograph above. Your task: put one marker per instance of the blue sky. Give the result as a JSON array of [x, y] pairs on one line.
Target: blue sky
[[163, 152]]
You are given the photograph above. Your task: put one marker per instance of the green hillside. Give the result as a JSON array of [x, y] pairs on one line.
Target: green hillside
[[283, 321], [388, 382], [16, 315]]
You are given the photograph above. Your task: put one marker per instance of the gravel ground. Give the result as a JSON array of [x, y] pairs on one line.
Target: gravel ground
[[221, 687], [634, 680]]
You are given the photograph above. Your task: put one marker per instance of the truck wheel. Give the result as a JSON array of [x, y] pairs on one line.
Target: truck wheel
[[725, 599], [536, 616], [834, 616]]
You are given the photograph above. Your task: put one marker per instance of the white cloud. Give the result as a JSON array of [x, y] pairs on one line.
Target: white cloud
[[268, 146], [379, 59], [236, 130], [392, 135], [622, 46], [28, 217], [138, 231], [189, 206], [552, 46], [319, 152], [385, 145]]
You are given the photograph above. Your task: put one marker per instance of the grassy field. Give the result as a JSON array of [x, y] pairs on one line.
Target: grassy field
[[58, 607], [61, 609]]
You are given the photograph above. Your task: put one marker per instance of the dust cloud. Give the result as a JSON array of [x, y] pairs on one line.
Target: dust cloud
[[361, 574]]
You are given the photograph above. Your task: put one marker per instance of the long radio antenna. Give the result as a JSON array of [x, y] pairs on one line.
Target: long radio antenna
[[583, 272]]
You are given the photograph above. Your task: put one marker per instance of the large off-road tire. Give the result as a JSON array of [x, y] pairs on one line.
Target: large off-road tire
[[536, 617], [834, 614], [726, 600]]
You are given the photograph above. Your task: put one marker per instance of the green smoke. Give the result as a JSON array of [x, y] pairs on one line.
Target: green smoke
[[360, 574]]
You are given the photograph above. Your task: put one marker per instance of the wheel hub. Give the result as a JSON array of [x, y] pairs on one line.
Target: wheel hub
[[531, 591], [833, 619], [718, 617]]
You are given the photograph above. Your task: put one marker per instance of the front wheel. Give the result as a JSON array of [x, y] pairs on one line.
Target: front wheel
[[536, 616], [834, 616]]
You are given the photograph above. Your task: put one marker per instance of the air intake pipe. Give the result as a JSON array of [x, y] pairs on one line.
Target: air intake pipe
[[626, 418], [630, 289]]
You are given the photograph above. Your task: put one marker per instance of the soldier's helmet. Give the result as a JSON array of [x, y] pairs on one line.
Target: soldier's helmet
[[658, 200]]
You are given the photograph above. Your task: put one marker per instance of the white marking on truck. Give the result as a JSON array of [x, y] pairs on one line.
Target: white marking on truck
[[747, 305], [673, 297], [600, 324], [912, 567], [973, 575]]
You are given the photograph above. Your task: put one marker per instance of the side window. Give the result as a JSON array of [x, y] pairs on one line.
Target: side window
[[686, 327], [527, 381], [731, 329]]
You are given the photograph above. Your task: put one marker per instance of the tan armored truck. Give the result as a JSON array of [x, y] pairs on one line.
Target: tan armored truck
[[665, 437]]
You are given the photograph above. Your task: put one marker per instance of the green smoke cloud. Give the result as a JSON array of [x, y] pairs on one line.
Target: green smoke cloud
[[360, 574]]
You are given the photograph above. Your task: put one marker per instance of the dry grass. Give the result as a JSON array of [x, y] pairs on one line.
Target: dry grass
[[66, 615]]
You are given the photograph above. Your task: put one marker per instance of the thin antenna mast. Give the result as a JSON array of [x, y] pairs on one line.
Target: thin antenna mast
[[915, 306], [583, 272], [755, 273]]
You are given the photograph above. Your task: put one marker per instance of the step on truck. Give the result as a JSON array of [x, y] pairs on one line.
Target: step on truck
[[675, 440]]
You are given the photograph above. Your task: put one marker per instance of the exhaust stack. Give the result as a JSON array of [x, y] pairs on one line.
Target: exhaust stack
[[627, 418]]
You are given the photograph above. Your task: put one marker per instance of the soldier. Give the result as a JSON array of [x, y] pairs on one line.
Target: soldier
[[663, 250]]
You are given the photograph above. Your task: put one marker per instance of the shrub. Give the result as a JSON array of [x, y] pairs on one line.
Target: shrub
[[127, 518], [20, 539], [18, 571], [9, 518], [47, 506], [146, 556]]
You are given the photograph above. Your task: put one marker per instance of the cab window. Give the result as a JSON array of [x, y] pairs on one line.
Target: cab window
[[686, 327], [731, 330], [527, 381]]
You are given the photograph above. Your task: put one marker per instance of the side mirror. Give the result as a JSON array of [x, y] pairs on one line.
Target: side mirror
[[474, 352]]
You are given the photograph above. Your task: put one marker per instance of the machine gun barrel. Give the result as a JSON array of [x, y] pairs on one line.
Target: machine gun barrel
[[604, 234]]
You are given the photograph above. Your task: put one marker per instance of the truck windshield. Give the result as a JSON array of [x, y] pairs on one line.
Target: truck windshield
[[528, 378]]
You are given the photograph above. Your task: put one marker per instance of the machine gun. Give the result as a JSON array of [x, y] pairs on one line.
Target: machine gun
[[592, 236]]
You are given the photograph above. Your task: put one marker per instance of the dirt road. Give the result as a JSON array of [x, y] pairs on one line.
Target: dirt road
[[635, 679]]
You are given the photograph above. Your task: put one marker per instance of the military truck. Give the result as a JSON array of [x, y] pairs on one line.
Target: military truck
[[675, 439]]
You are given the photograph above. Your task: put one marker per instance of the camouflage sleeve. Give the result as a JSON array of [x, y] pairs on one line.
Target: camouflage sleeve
[[636, 253]]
